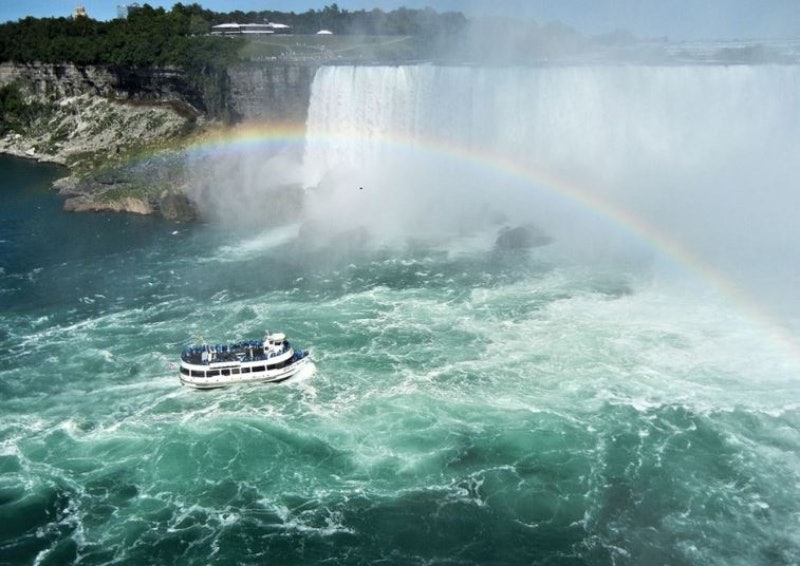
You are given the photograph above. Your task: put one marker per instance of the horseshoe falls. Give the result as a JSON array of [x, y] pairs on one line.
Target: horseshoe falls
[[627, 392]]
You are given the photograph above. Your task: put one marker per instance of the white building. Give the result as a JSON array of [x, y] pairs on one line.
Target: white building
[[250, 29]]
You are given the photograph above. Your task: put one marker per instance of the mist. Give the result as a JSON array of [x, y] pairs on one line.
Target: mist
[[701, 156], [703, 153], [248, 187]]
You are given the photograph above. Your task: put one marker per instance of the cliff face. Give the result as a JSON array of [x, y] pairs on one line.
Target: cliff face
[[271, 92], [85, 113], [278, 92], [48, 82], [90, 118]]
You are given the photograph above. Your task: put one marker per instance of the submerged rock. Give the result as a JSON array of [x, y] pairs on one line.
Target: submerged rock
[[130, 205], [521, 237], [176, 206]]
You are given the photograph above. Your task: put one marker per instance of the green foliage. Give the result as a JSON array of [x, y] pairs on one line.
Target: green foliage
[[153, 37], [148, 37], [11, 102], [15, 113], [402, 21]]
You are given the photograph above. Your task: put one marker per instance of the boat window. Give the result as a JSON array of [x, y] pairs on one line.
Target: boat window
[[198, 373], [259, 368], [184, 371], [212, 373], [226, 372], [245, 370], [235, 371]]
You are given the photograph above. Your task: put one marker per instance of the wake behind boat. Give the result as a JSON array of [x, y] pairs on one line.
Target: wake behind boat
[[273, 359]]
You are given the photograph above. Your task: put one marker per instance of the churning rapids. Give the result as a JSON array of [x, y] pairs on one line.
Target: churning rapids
[[627, 394]]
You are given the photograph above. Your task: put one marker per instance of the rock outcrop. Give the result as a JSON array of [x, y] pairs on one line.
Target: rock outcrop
[[51, 82], [87, 203], [521, 237], [95, 112], [101, 121], [84, 127]]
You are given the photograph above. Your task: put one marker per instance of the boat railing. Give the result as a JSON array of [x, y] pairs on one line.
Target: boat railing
[[247, 351]]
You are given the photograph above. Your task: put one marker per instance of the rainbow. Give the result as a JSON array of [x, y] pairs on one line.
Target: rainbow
[[259, 136]]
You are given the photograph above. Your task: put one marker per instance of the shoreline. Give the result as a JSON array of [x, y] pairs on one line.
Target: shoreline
[[151, 179], [19, 154]]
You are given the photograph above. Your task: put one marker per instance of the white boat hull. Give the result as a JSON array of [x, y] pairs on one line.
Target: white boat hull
[[224, 375]]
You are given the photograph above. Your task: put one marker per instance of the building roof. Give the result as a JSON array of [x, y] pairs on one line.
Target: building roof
[[244, 27]]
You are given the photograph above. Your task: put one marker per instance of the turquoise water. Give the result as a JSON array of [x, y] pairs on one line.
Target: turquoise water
[[468, 407]]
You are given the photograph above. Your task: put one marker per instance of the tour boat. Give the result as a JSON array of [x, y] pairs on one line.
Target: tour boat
[[273, 359]]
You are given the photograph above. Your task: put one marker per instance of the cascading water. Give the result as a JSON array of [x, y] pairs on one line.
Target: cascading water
[[697, 150]]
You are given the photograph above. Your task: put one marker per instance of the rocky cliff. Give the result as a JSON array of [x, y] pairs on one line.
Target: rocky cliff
[[271, 92], [48, 82], [82, 113], [97, 120]]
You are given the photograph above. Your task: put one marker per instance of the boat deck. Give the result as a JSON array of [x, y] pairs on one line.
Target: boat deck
[[248, 351]]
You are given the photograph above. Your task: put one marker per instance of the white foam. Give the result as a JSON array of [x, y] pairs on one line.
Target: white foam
[[255, 246]]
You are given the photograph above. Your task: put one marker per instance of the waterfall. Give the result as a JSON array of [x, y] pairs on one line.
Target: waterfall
[[677, 145]]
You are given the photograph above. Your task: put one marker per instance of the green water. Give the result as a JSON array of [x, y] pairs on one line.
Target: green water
[[467, 408]]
